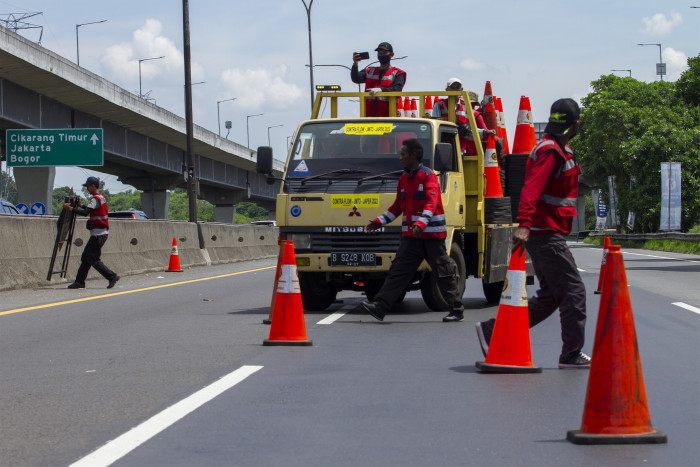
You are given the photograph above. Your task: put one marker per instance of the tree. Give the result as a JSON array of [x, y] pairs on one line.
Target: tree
[[689, 82], [8, 188], [627, 129]]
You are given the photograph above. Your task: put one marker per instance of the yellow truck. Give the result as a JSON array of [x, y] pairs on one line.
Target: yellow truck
[[341, 172]]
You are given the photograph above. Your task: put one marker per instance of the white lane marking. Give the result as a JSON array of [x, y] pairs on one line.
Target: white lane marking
[[121, 446], [661, 257], [332, 318], [687, 307]]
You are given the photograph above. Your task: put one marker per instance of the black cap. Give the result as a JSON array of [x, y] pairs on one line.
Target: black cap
[[92, 181], [385, 46], [562, 116]]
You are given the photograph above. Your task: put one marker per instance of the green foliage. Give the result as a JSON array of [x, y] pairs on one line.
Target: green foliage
[[250, 212], [689, 82], [59, 196], [590, 213], [627, 129], [179, 208], [673, 246], [125, 200], [8, 188]]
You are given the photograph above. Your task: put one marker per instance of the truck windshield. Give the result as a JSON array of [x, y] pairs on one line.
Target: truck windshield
[[366, 148]]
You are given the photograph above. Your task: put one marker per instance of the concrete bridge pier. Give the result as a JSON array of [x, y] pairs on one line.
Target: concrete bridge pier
[[35, 185], [155, 203]]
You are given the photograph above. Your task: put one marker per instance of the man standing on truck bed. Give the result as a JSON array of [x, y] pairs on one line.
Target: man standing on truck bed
[[423, 236], [382, 78], [98, 225], [546, 213]]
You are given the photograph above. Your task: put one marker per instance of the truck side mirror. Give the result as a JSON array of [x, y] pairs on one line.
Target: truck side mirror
[[444, 158], [264, 165]]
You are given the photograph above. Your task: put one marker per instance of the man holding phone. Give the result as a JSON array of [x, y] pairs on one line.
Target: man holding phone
[[377, 79]]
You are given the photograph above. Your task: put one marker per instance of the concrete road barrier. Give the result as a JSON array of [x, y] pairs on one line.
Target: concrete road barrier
[[134, 247]]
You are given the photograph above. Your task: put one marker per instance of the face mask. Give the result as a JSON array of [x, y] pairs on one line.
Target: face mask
[[384, 59]]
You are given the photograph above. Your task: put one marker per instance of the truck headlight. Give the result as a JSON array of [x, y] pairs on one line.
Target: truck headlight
[[301, 241]]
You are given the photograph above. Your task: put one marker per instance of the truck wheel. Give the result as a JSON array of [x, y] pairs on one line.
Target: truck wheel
[[492, 291], [429, 288], [316, 293]]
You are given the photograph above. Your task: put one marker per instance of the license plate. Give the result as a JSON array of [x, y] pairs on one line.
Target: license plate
[[353, 259]]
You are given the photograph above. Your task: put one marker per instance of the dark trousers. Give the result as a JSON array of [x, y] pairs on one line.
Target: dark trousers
[[91, 258], [411, 252], [560, 287]]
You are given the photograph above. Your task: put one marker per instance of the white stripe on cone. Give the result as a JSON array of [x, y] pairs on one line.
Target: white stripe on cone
[[515, 290], [288, 281]]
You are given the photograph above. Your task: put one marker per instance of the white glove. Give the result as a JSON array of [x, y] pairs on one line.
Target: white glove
[[374, 91]]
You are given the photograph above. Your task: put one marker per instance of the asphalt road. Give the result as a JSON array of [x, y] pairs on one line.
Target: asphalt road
[[179, 356]]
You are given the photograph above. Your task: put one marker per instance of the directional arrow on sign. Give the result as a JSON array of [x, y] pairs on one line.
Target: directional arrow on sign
[[94, 139], [38, 209], [22, 208]]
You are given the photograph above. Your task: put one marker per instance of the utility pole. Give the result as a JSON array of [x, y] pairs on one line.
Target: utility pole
[[191, 185]]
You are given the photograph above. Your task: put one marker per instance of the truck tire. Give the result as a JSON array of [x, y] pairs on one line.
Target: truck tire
[[492, 291], [429, 288], [316, 293]]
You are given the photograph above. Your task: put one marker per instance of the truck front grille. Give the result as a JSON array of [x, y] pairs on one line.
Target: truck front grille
[[360, 242]]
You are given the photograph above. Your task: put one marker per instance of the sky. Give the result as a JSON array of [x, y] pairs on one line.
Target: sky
[[257, 52]]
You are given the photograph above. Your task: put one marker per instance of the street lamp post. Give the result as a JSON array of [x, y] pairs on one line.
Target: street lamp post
[[661, 63], [630, 71], [144, 60], [247, 127], [77, 42], [311, 59], [218, 115], [268, 133]]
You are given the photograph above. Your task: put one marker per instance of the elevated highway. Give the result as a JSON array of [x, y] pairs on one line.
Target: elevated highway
[[144, 145]]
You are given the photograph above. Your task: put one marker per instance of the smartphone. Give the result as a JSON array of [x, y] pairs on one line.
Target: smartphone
[[364, 55]]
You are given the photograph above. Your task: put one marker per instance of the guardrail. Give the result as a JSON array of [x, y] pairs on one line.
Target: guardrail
[[643, 237]]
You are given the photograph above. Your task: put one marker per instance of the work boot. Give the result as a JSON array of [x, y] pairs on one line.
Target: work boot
[[580, 360], [454, 317], [75, 285], [113, 281], [373, 309]]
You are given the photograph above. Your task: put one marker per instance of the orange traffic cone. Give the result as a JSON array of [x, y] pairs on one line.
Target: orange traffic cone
[[531, 121], [493, 177], [174, 265], [288, 327], [277, 278], [428, 106], [616, 409], [502, 125], [399, 107], [490, 117], [414, 108], [606, 247], [407, 107], [522, 143], [509, 349], [488, 96]]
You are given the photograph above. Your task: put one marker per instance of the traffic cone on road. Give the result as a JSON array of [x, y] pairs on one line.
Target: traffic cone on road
[[616, 409], [274, 289], [288, 327], [174, 265], [522, 143], [493, 177], [502, 125], [509, 348], [606, 247]]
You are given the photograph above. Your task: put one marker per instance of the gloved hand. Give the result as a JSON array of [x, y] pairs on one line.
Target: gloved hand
[[374, 91]]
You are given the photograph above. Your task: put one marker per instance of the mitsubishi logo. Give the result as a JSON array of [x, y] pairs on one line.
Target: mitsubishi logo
[[354, 212]]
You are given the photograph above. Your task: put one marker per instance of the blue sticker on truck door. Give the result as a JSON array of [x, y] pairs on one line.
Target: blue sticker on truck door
[[295, 211]]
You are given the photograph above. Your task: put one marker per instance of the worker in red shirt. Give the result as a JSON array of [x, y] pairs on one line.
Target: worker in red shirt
[[423, 237], [546, 213], [377, 79]]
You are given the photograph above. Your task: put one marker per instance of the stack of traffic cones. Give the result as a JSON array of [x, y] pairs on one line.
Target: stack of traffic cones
[[414, 109], [288, 326], [502, 125], [399, 107], [428, 106], [616, 409], [525, 138], [491, 172], [509, 348], [174, 265], [488, 96], [606, 247], [490, 117]]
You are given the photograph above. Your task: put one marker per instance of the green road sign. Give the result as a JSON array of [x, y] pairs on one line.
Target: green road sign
[[50, 148]]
